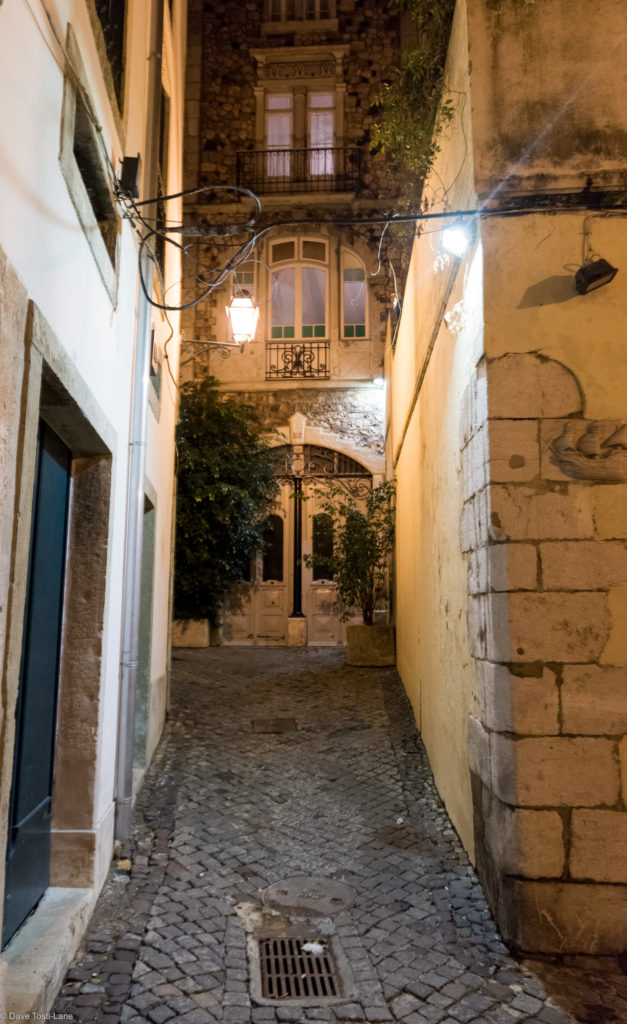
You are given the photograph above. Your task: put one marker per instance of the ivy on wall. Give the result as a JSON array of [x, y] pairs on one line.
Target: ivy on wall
[[411, 112]]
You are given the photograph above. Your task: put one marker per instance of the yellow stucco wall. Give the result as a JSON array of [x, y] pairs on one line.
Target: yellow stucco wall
[[511, 134], [532, 304], [547, 95], [433, 654]]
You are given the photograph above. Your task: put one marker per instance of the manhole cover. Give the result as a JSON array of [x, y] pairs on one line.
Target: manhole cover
[[289, 971], [322, 896]]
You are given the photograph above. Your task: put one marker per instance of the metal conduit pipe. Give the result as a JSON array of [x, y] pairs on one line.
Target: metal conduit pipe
[[137, 462]]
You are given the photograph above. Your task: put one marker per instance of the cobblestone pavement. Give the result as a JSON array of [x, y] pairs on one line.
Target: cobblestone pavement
[[227, 809]]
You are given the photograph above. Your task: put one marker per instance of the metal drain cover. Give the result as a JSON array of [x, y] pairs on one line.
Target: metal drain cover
[[288, 971], [288, 965], [320, 896]]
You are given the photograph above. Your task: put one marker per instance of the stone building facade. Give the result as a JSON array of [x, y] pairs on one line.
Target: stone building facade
[[280, 99], [507, 435]]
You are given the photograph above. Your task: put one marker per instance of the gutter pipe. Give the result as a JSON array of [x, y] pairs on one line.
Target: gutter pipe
[[137, 463]]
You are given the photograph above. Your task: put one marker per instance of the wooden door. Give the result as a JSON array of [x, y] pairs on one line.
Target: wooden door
[[28, 846]]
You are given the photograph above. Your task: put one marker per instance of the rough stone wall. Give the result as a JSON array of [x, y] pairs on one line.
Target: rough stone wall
[[13, 315], [221, 119], [229, 31], [347, 414], [545, 529]]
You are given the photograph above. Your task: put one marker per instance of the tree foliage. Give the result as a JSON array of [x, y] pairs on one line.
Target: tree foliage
[[225, 488], [411, 112], [363, 536]]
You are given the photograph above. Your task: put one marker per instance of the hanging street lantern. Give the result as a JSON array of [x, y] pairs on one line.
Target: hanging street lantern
[[243, 315]]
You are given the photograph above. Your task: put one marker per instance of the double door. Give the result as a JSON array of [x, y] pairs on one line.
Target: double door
[[258, 610]]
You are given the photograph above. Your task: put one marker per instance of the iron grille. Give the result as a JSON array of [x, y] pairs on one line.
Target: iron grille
[[287, 972], [271, 171], [111, 14], [320, 462], [291, 360]]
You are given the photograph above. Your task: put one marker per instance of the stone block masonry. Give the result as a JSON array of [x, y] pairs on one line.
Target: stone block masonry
[[546, 541]]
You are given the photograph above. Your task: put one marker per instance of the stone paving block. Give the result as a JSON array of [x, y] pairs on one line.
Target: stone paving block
[[223, 813], [160, 1014], [527, 1004]]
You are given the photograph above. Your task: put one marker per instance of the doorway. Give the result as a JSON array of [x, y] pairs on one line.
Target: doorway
[[258, 609], [28, 845]]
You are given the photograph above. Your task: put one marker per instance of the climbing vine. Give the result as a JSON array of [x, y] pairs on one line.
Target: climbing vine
[[411, 111]]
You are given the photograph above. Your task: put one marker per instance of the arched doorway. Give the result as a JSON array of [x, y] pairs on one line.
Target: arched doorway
[[281, 584]]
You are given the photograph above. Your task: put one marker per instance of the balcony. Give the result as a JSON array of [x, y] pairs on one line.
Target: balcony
[[300, 360], [281, 171]]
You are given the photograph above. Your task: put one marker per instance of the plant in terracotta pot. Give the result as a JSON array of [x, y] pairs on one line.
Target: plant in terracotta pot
[[359, 548]]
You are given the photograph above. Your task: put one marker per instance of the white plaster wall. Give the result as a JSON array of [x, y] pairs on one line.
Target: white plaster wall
[[45, 243]]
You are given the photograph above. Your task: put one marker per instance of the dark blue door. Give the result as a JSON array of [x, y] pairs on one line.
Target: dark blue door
[[28, 847]]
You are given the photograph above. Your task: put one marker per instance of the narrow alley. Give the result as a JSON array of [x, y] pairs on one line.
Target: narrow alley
[[285, 764]]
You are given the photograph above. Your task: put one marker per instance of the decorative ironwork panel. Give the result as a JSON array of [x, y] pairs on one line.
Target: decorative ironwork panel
[[313, 462], [320, 169], [111, 14], [305, 360]]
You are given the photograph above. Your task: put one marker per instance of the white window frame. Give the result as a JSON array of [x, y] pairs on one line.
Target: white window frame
[[298, 264], [321, 157], [279, 155], [299, 12], [344, 253], [106, 260]]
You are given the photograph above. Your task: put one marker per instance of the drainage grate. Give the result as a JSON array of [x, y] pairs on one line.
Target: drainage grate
[[306, 896], [287, 972]]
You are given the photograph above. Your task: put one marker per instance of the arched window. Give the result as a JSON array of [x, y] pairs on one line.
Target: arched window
[[273, 550], [299, 289]]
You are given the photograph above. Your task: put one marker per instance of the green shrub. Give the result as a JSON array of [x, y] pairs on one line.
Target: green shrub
[[411, 112], [363, 537], [225, 489]]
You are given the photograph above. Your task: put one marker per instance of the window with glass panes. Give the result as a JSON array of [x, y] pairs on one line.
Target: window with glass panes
[[244, 279], [353, 297], [279, 130], [299, 289], [321, 131], [299, 10]]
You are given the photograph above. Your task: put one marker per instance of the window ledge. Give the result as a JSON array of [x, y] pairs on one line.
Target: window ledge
[[305, 26]]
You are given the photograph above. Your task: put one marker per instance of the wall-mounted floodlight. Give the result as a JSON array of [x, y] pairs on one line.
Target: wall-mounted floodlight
[[243, 315], [593, 275], [456, 238]]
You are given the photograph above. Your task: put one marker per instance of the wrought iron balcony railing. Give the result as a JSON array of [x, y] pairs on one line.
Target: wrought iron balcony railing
[[273, 171], [303, 360]]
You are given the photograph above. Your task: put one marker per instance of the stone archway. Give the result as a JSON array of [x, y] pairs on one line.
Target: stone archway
[[285, 602]]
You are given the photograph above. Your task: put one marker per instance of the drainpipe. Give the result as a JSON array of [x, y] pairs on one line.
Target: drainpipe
[[137, 463]]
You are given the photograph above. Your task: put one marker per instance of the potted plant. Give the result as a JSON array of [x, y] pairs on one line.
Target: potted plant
[[360, 546]]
